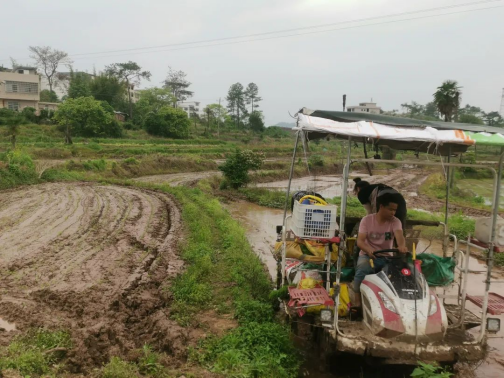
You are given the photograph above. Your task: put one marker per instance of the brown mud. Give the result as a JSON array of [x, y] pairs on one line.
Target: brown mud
[[95, 260]]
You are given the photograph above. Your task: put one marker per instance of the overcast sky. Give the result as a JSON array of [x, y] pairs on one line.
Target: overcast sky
[[391, 62]]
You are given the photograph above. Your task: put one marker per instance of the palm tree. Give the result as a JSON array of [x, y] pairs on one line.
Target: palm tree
[[447, 99]]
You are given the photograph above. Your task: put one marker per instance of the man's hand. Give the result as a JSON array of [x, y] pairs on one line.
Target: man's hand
[[402, 249], [371, 255]]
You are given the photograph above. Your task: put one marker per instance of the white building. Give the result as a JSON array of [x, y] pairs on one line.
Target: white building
[[135, 94], [191, 107], [365, 107]]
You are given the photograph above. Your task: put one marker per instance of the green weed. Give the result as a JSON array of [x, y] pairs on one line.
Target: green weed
[[16, 168], [264, 197], [118, 368], [499, 259], [430, 371], [253, 311], [131, 161], [252, 350], [149, 362], [31, 353], [354, 207]]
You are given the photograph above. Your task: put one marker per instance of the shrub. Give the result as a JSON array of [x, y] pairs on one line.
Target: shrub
[[315, 161], [256, 122], [29, 114], [236, 167], [87, 117], [168, 122], [46, 115], [6, 115], [276, 132], [128, 125]]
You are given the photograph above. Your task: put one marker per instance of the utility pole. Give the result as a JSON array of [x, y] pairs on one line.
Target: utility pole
[[344, 102], [208, 119], [218, 121]]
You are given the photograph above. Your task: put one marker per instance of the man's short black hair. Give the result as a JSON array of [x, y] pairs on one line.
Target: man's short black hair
[[387, 198]]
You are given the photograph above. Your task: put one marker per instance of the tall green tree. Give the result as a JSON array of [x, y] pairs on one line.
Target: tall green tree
[[108, 88], [252, 96], [431, 110], [447, 99], [470, 118], [256, 122], [151, 101], [85, 116], [130, 73], [168, 122], [48, 96], [48, 60], [177, 83], [493, 119], [472, 110], [236, 102], [414, 108], [214, 115], [79, 85]]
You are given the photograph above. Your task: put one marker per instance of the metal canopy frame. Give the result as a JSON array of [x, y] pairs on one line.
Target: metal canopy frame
[[342, 247]]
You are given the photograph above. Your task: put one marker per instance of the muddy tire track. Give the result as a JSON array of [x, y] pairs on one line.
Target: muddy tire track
[[95, 260]]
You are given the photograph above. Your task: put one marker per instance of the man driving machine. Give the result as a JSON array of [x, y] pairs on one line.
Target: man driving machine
[[376, 232]]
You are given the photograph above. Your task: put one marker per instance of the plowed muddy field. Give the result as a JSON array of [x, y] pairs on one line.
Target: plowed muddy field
[[94, 260]]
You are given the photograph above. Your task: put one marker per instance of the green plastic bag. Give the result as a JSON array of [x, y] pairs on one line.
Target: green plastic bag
[[347, 274], [438, 271]]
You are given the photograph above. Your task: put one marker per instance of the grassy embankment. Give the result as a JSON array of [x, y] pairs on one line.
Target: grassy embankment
[[144, 155], [223, 275]]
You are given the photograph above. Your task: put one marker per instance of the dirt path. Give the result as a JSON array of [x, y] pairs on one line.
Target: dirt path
[[91, 259], [178, 179], [408, 181]]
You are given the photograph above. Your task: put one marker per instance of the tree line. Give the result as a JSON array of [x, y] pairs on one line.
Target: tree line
[[91, 100], [446, 105]]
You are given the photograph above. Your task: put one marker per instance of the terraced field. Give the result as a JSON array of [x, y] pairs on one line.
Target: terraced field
[[84, 257]]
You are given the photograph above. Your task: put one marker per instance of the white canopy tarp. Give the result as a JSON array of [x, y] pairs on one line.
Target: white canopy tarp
[[364, 129]]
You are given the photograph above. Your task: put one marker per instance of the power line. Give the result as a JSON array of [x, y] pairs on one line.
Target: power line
[[298, 34], [291, 30], [295, 29]]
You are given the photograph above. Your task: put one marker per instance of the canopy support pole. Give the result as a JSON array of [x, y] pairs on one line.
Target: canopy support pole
[[342, 245], [287, 195], [365, 155], [447, 204], [490, 259]]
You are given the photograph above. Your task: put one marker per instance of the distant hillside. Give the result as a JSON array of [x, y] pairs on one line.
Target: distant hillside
[[286, 125]]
